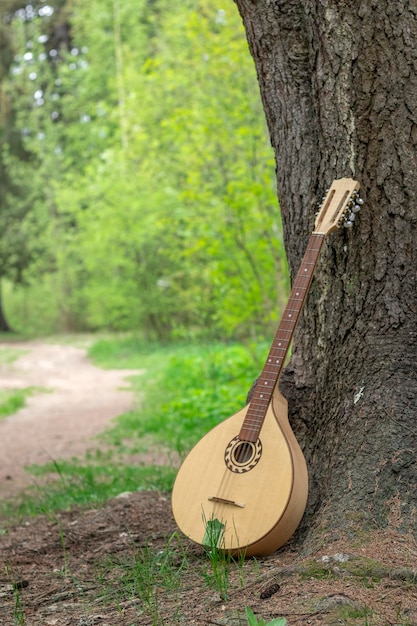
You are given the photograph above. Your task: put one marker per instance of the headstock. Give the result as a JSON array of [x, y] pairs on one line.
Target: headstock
[[339, 206]]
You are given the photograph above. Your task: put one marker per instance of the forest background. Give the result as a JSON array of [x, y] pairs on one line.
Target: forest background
[[137, 179]]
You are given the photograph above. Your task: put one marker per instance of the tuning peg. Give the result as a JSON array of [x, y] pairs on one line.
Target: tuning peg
[[356, 199], [348, 219]]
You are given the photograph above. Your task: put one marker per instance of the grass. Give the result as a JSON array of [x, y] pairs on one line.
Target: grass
[[144, 575], [149, 574], [18, 608], [187, 389], [85, 484], [351, 613], [12, 400], [220, 562]]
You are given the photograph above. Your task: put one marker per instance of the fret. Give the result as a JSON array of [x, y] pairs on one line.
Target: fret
[[257, 417], [260, 398], [252, 425], [254, 429], [258, 406], [254, 419], [260, 403]]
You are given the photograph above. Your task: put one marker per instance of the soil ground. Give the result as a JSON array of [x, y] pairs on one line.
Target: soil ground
[[119, 564]]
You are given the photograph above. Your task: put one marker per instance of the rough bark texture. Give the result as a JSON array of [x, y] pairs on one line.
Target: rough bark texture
[[338, 81]]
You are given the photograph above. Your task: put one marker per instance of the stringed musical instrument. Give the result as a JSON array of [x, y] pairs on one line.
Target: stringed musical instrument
[[243, 487]]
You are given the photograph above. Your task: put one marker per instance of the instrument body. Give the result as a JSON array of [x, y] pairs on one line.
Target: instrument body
[[243, 487], [270, 497]]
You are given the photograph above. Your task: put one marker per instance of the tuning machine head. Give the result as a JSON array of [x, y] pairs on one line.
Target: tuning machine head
[[354, 206]]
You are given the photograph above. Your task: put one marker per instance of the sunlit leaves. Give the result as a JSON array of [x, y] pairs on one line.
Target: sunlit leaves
[[158, 170]]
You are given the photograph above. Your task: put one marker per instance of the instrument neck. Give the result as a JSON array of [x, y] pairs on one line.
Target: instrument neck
[[274, 363]]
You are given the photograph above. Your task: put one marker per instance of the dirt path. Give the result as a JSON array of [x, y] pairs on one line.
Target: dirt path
[[79, 400]]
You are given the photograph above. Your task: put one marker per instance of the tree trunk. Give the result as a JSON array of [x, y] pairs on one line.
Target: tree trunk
[[4, 326], [339, 87]]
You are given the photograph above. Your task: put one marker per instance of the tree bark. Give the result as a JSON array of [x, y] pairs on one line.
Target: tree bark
[[338, 82]]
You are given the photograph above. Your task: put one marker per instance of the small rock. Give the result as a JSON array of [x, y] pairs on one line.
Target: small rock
[[340, 557], [404, 573], [333, 600], [124, 494]]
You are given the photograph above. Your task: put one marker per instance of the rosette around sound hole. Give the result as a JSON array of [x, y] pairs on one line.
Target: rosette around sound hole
[[242, 456]]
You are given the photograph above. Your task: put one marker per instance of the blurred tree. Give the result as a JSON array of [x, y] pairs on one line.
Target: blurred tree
[[147, 189], [196, 242], [29, 33]]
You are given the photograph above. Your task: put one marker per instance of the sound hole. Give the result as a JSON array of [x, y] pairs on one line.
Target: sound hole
[[242, 456], [243, 452]]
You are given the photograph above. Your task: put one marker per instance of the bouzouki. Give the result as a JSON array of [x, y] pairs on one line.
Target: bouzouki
[[243, 487]]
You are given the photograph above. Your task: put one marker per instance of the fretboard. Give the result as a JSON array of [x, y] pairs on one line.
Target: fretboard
[[267, 381]]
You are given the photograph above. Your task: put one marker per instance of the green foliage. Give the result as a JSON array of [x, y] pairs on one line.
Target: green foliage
[[253, 620], [27, 142], [37, 308], [148, 200], [217, 574], [188, 389]]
